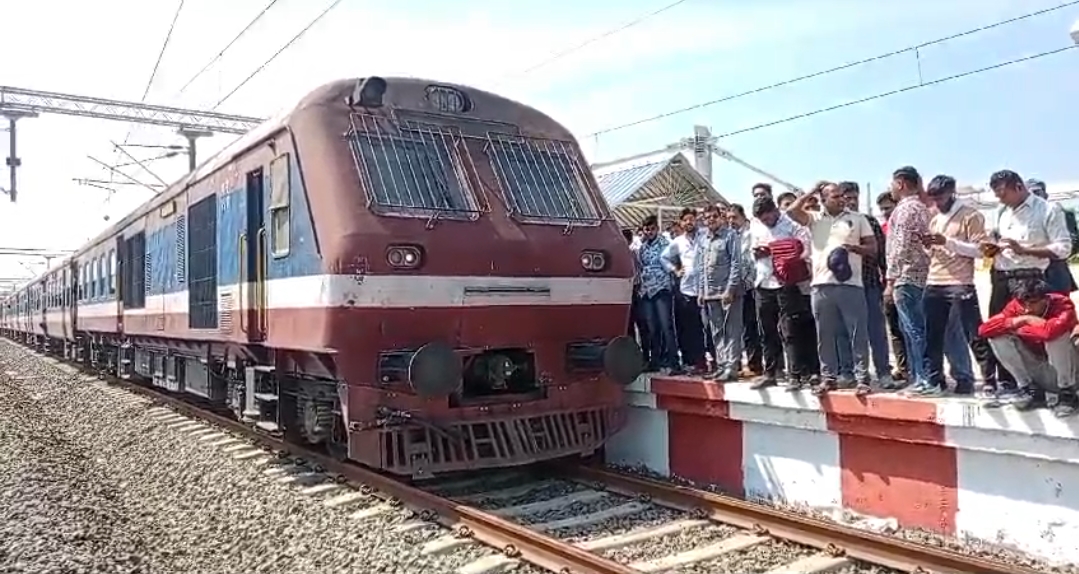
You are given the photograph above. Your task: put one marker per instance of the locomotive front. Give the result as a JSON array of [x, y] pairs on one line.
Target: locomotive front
[[485, 317]]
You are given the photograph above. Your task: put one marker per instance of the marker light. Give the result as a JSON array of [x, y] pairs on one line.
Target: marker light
[[594, 260], [404, 256]]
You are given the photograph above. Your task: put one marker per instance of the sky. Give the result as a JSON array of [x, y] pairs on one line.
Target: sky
[[1016, 117]]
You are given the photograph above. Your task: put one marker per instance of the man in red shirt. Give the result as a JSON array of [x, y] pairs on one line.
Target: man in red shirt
[[1032, 338]]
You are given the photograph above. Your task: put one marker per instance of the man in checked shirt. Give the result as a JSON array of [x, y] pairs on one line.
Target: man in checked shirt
[[908, 266]]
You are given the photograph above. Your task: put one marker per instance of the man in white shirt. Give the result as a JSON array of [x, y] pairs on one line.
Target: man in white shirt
[[680, 258], [783, 309], [1028, 233], [840, 239]]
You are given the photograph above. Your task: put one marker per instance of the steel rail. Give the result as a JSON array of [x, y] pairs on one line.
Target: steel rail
[[836, 539], [515, 541]]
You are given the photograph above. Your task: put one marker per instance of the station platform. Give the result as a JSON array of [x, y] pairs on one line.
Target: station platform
[[948, 465]]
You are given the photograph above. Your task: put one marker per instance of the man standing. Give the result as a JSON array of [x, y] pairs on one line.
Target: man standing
[[840, 240], [886, 204], [908, 266], [956, 230], [720, 292], [761, 190], [1058, 275], [1028, 234], [751, 337], [785, 200], [782, 249], [873, 284], [680, 258], [655, 298], [1032, 337]]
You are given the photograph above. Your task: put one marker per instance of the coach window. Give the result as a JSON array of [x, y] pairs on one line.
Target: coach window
[[279, 205], [112, 271], [102, 276]]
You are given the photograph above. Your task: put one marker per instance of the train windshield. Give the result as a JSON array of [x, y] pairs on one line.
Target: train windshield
[[415, 170], [542, 179]]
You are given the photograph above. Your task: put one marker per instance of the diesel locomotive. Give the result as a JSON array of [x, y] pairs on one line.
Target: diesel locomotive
[[418, 276]]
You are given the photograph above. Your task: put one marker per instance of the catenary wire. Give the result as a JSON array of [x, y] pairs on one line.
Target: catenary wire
[[820, 73], [577, 47], [229, 45], [164, 47], [287, 45], [898, 91], [157, 66]]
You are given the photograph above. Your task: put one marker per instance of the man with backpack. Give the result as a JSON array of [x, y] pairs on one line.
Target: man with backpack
[[781, 250]]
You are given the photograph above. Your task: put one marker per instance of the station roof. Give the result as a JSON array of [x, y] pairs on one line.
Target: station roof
[[637, 188]]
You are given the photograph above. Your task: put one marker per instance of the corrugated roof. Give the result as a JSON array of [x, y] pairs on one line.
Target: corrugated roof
[[636, 189]]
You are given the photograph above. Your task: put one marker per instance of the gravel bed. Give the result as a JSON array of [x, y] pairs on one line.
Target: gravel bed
[[648, 518], [753, 560], [100, 487], [671, 544], [971, 547]]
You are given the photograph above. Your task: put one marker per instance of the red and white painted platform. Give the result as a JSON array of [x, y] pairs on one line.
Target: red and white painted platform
[[947, 465]]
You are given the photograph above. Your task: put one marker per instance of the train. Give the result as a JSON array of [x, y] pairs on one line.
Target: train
[[417, 276]]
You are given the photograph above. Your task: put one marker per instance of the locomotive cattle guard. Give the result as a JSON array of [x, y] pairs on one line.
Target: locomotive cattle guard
[[422, 277]]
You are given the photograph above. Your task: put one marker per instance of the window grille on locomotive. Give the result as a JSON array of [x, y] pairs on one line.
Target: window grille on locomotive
[[542, 180], [421, 170]]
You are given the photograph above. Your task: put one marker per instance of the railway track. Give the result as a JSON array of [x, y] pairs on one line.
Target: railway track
[[564, 518]]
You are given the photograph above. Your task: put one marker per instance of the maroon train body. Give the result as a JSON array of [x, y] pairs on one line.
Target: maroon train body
[[422, 277]]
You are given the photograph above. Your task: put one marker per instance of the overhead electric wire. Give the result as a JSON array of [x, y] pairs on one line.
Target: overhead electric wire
[[161, 54], [157, 66], [236, 38], [559, 55], [287, 45], [818, 74], [898, 91]]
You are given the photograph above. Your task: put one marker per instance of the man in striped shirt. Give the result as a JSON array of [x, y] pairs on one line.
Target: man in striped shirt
[[908, 265]]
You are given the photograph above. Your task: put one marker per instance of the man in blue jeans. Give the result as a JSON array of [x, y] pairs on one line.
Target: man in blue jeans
[[956, 231], [656, 303], [908, 266]]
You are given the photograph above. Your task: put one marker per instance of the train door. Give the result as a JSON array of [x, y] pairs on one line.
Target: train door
[[71, 289], [121, 284], [253, 258]]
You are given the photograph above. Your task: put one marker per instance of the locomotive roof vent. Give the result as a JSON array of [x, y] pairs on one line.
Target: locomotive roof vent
[[448, 100], [367, 93]]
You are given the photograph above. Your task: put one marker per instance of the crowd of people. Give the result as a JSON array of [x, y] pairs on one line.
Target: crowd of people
[[805, 291]]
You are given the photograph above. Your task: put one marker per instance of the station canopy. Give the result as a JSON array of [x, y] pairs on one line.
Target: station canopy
[[659, 184]]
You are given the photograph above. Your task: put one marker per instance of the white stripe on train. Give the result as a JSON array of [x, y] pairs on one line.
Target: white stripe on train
[[399, 291]]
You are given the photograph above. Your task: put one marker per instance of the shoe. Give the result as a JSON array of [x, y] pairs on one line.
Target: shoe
[[844, 382], [824, 386], [888, 383], [796, 384], [763, 382], [914, 389], [862, 389], [988, 395], [1028, 399], [899, 374], [726, 376], [929, 391], [1066, 404]]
